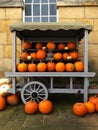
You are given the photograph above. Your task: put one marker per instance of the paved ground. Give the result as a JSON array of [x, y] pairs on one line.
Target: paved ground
[[62, 117]]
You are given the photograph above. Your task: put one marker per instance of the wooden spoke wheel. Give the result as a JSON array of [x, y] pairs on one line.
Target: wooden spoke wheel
[[35, 91]]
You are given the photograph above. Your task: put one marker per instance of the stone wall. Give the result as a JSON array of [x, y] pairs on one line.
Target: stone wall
[[73, 11], [8, 16]]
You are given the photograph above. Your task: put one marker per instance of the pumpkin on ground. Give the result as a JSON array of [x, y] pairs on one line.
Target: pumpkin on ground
[[71, 45], [90, 107], [45, 106], [69, 67], [31, 107], [38, 45], [79, 109], [57, 56], [93, 99], [61, 46], [22, 67], [79, 66], [51, 45], [12, 99], [51, 66], [60, 67], [2, 103], [41, 54], [32, 67], [41, 67], [27, 45]]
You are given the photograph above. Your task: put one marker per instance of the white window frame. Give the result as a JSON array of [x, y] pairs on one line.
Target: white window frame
[[40, 13]]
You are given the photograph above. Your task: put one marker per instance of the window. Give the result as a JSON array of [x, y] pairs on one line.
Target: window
[[40, 11]]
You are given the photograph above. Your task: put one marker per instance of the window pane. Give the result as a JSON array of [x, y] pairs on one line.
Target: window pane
[[28, 19], [40, 11], [52, 1], [52, 9], [44, 1], [44, 19], [44, 9], [36, 19], [27, 10], [36, 1], [52, 19], [28, 1], [36, 10]]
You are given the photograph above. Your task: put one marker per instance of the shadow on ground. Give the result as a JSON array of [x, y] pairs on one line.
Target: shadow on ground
[[61, 118]]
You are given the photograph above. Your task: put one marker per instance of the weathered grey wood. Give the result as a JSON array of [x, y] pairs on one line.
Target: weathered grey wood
[[50, 74], [84, 88], [86, 85], [85, 50], [14, 52]]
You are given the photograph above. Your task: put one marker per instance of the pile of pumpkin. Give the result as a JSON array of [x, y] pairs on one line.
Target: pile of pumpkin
[[11, 99], [82, 108], [46, 106], [50, 65], [31, 107]]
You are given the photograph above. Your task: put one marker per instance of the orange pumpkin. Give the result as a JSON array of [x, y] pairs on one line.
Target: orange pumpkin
[[33, 55], [74, 55], [22, 67], [79, 109], [12, 99], [32, 67], [71, 45], [27, 45], [65, 56], [31, 107], [45, 106], [60, 67], [57, 56], [24, 55], [41, 54], [69, 67], [51, 66], [51, 45], [2, 103], [61, 46], [90, 107], [79, 66], [93, 99], [41, 67], [38, 45]]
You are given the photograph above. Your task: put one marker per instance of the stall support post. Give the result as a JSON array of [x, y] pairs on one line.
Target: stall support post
[[13, 89], [86, 81], [86, 85]]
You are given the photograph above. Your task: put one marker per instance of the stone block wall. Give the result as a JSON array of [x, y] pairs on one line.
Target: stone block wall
[[8, 16], [83, 11]]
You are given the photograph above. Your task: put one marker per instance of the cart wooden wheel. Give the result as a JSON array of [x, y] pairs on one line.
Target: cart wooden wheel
[[35, 91]]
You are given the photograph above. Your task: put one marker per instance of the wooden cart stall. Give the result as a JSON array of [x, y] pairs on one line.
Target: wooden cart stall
[[37, 85]]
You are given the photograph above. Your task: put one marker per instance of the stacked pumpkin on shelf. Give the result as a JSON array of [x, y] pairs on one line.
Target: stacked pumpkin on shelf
[[50, 57]]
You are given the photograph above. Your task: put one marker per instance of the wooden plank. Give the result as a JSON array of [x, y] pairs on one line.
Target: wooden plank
[[50, 74]]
